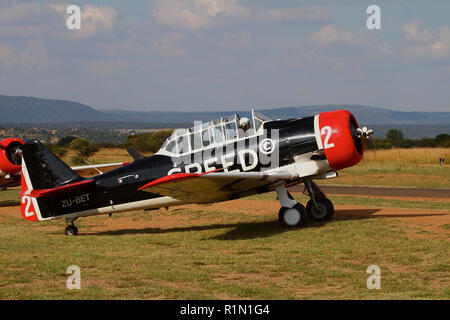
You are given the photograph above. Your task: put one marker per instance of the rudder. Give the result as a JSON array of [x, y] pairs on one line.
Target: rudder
[[45, 170]]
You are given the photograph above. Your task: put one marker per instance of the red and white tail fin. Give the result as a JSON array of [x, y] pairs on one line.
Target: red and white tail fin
[[44, 176], [29, 207]]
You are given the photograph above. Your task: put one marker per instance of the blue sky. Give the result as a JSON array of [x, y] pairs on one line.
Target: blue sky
[[228, 54]]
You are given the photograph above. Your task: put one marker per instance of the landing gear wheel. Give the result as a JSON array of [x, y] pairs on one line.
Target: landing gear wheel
[[71, 230], [324, 212], [293, 217]]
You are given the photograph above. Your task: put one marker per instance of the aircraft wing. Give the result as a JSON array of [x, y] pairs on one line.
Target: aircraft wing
[[95, 169], [215, 186]]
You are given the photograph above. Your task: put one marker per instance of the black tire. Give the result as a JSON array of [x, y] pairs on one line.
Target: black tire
[[326, 210], [71, 230], [293, 217]]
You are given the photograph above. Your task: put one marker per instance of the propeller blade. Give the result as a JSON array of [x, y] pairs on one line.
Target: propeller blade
[[364, 132]]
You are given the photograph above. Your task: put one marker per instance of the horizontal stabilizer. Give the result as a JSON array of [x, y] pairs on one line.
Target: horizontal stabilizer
[[58, 190], [94, 169]]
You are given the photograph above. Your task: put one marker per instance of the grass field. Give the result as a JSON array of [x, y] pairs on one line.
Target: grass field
[[10, 197], [237, 250], [418, 168], [105, 155], [228, 251]]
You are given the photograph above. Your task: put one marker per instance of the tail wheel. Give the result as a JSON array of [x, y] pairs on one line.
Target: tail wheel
[[293, 217], [323, 212], [71, 230]]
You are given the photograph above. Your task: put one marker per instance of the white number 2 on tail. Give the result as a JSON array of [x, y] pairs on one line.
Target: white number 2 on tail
[[327, 130], [27, 200]]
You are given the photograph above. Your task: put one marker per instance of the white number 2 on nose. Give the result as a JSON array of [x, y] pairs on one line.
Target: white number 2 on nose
[[327, 130]]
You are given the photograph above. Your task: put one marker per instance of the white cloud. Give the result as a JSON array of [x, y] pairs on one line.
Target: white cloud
[[134, 49], [426, 43], [19, 13], [168, 45], [308, 57], [98, 17], [35, 56], [331, 34], [337, 49], [303, 13], [236, 40], [19, 19], [24, 31], [412, 33], [105, 68], [201, 14], [7, 57], [194, 14], [94, 20]]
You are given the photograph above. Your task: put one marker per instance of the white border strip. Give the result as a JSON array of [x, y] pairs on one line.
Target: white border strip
[[37, 209], [317, 132], [130, 206], [29, 186]]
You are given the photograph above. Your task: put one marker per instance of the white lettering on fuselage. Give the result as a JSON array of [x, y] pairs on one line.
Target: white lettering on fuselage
[[227, 161], [77, 200]]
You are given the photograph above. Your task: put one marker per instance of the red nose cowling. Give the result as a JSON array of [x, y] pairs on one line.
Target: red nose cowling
[[340, 139], [7, 147]]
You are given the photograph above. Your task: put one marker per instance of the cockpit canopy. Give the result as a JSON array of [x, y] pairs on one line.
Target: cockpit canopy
[[210, 134]]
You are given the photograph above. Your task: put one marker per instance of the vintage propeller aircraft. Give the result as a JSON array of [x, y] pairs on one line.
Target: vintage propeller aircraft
[[210, 162], [11, 164]]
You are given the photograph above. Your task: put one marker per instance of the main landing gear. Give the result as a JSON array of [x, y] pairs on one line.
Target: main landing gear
[[319, 207], [293, 214], [71, 230]]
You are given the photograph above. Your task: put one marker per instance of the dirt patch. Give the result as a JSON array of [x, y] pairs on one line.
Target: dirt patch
[[395, 198], [417, 223], [420, 223], [411, 216], [13, 211], [395, 192]]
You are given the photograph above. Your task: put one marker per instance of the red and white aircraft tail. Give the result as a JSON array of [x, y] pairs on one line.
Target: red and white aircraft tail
[[29, 207], [44, 175]]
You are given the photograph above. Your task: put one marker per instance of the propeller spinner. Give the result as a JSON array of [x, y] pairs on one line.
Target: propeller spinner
[[14, 153], [364, 132]]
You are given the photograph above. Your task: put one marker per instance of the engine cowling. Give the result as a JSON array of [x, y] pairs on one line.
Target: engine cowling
[[10, 156], [340, 141]]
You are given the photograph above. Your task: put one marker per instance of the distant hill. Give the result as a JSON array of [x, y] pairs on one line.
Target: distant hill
[[367, 114], [364, 115], [35, 110], [29, 109]]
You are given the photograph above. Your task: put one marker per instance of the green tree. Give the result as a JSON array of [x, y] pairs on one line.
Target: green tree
[[394, 135], [65, 141], [61, 151], [83, 147], [442, 137], [443, 140], [148, 142]]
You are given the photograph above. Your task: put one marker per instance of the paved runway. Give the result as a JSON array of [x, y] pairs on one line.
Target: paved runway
[[381, 191]]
